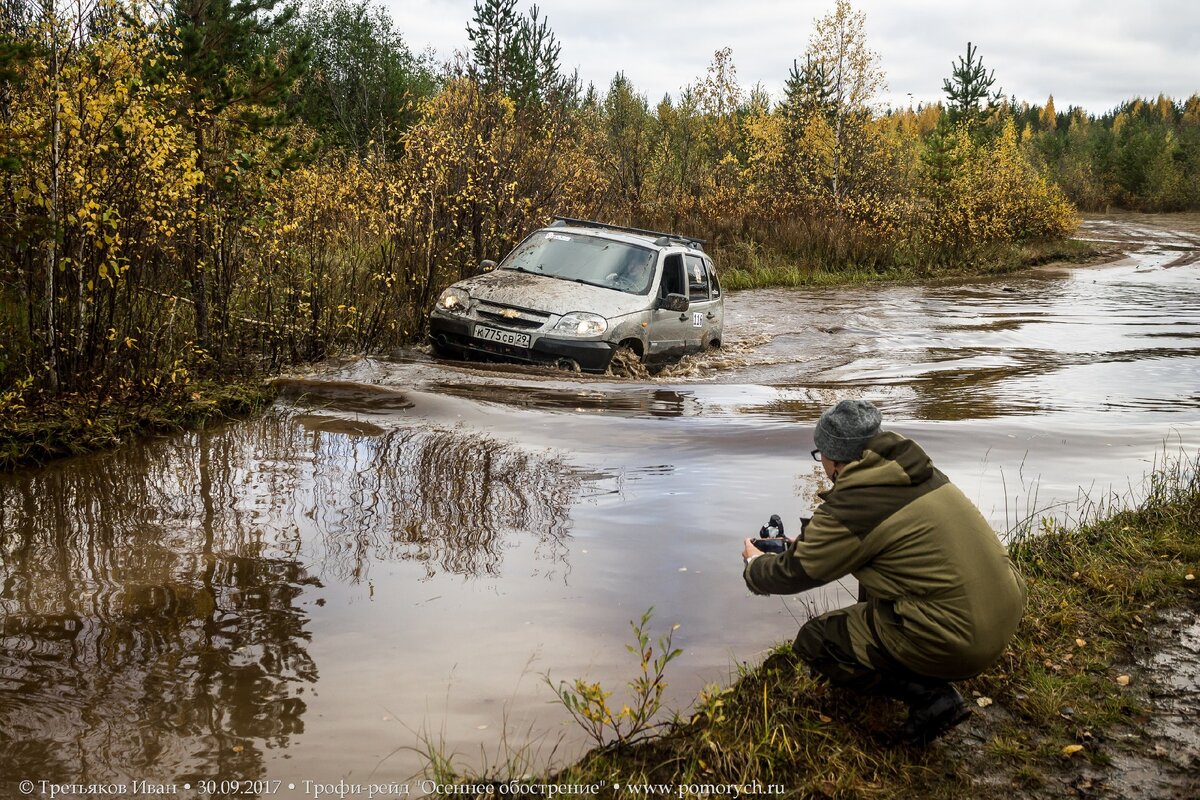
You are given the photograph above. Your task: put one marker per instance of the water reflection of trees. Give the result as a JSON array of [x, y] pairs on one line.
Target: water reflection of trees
[[150, 621], [454, 502], [144, 631]]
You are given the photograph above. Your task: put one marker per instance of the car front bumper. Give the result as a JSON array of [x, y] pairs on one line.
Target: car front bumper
[[454, 334]]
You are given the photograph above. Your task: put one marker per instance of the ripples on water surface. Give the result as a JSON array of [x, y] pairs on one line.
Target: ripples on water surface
[[406, 545]]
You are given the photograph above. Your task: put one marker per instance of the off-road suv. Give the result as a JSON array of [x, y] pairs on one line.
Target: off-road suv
[[575, 292]]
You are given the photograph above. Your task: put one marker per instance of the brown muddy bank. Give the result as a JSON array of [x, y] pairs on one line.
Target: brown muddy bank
[[1151, 751]]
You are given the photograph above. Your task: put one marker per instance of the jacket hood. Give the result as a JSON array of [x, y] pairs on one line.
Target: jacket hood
[[551, 295], [888, 460]]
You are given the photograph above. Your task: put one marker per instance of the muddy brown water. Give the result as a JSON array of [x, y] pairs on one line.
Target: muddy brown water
[[400, 549]]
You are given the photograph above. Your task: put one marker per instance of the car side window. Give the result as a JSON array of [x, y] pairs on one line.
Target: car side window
[[716, 282], [672, 279], [697, 275]]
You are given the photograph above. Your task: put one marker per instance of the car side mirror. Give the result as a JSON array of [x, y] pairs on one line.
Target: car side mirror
[[487, 265], [674, 302]]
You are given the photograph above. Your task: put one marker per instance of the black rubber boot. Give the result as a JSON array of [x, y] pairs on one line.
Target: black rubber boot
[[934, 707]]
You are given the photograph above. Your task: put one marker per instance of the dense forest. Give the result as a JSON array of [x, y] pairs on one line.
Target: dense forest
[[211, 188]]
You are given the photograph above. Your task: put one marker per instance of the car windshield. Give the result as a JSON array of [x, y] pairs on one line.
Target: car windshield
[[587, 259]]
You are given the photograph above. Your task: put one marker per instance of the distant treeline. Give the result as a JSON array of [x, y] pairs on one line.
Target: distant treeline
[[211, 187], [1142, 156]]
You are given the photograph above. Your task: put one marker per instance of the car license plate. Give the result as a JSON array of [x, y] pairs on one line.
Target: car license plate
[[503, 337]]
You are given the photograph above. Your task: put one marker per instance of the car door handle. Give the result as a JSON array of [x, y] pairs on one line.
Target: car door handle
[[711, 315], [683, 317]]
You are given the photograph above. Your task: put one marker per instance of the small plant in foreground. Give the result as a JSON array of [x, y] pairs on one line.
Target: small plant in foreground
[[587, 703], [710, 707]]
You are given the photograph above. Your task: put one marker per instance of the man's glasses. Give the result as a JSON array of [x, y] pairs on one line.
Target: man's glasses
[[816, 454]]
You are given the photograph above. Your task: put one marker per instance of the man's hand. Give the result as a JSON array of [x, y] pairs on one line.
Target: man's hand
[[749, 551]]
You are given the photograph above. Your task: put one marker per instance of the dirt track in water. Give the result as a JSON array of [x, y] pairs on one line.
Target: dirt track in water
[[407, 544]]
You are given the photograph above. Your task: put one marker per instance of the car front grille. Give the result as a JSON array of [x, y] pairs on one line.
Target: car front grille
[[510, 317]]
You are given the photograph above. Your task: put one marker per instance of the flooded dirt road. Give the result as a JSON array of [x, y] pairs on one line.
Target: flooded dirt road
[[402, 548]]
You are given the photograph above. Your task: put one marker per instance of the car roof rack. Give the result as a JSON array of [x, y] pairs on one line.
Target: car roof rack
[[662, 240]]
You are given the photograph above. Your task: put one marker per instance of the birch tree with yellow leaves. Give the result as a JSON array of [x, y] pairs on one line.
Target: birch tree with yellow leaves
[[853, 80]]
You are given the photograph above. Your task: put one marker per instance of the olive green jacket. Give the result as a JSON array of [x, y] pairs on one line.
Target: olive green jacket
[[943, 596]]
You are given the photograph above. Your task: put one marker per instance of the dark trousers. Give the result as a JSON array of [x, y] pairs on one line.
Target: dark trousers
[[824, 644]]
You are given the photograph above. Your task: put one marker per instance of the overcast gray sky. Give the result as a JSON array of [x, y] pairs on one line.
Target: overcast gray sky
[[1092, 54]]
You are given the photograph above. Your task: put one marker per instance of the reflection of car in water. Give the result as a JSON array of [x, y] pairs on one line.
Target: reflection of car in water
[[575, 292]]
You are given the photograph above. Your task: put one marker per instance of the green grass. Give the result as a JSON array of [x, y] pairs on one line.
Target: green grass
[[72, 424], [747, 265], [1093, 590]]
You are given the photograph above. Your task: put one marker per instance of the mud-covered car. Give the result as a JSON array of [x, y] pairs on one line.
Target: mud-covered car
[[575, 292]]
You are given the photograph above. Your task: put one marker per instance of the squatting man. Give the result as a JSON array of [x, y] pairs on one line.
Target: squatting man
[[939, 597]]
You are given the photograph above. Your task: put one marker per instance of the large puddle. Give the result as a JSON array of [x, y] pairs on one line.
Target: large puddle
[[400, 549]]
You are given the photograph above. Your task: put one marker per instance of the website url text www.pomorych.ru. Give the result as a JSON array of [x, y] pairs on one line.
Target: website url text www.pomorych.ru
[[681, 790]]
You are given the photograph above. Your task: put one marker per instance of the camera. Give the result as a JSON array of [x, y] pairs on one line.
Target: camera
[[770, 545], [770, 536]]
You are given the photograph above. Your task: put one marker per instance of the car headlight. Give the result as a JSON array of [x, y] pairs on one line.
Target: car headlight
[[581, 323], [454, 299]]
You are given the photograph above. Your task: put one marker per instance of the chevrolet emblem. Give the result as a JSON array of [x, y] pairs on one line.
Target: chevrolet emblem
[[508, 313]]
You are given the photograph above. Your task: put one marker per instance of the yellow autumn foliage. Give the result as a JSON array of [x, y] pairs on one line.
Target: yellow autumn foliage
[[116, 222], [995, 195]]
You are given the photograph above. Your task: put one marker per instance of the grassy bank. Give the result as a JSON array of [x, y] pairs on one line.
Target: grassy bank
[[1056, 713], [35, 431], [753, 266]]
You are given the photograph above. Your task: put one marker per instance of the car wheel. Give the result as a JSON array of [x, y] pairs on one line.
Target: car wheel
[[569, 365], [443, 350], [627, 361]]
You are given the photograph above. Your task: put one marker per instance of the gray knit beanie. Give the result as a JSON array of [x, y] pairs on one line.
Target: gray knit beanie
[[844, 430]]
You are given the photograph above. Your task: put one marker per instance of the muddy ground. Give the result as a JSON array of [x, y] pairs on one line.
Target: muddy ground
[[1155, 755]]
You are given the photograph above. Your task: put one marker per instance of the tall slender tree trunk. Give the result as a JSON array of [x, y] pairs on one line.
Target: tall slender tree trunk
[[840, 112], [82, 356], [50, 262], [196, 267]]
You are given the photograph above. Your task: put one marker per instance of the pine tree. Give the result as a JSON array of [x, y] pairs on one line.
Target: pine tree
[[806, 90], [364, 78], [968, 86], [627, 124], [494, 48], [536, 76], [233, 83], [225, 63], [517, 56], [941, 158]]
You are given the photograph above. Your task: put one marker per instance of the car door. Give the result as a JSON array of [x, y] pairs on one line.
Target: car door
[[704, 318], [668, 329]]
